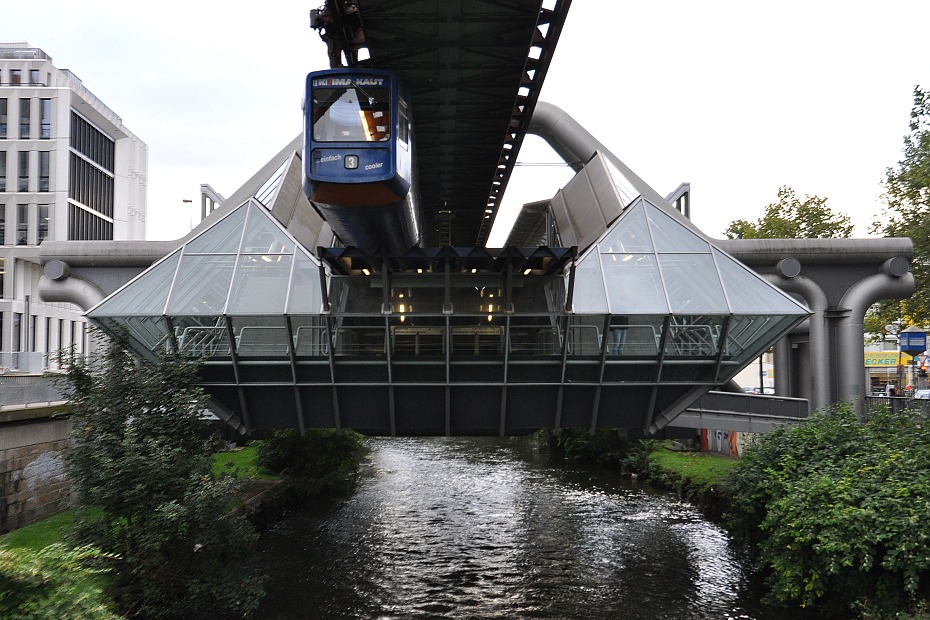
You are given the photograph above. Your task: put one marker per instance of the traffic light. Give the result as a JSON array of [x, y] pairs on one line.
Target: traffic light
[[923, 370]]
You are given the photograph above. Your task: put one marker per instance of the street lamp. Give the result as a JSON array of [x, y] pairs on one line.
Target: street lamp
[[188, 201]]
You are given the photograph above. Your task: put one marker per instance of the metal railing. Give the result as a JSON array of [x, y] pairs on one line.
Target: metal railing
[[897, 404], [28, 390]]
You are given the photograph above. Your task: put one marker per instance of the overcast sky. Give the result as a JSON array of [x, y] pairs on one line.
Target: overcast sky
[[737, 98]]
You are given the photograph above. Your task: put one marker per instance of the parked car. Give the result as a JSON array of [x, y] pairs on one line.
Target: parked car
[[922, 394]]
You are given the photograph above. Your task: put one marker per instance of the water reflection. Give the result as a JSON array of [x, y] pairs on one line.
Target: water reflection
[[471, 528]]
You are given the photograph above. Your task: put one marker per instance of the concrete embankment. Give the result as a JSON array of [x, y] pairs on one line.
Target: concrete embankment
[[34, 481]]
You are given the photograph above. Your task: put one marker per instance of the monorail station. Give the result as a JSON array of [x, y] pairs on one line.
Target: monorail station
[[456, 340], [348, 284]]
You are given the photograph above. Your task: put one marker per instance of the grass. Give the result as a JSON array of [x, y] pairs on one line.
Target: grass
[[702, 469], [242, 463], [41, 534]]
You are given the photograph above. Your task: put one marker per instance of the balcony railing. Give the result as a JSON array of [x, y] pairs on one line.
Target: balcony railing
[[29, 390]]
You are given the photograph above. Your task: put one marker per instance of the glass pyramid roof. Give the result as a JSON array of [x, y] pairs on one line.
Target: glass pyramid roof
[[653, 305], [650, 263], [245, 265]]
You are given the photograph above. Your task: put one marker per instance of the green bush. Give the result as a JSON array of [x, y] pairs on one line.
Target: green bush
[[838, 512], [605, 446], [147, 492], [326, 456], [53, 583]]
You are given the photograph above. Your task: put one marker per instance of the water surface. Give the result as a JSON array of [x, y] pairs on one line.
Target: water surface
[[479, 528]]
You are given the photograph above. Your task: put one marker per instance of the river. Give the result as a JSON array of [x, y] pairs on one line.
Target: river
[[482, 528]]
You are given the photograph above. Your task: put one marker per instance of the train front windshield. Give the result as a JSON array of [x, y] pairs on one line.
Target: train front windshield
[[351, 114]]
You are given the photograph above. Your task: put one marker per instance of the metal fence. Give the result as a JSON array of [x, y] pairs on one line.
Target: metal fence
[[897, 403], [28, 389]]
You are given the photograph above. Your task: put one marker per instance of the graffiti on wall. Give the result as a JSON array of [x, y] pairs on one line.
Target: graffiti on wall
[[727, 443]]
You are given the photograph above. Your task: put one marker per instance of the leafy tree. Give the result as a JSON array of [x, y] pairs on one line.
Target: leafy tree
[[54, 583], [838, 512], [325, 459], [793, 218], [907, 213], [138, 462]]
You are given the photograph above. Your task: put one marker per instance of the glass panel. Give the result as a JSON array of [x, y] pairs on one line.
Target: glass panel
[[625, 186], [670, 235], [151, 331], [305, 297], [359, 112], [310, 338], [584, 335], [630, 234], [748, 337], [692, 284], [588, 295], [202, 336], [202, 285], [267, 191], [260, 284], [534, 336], [633, 284], [263, 236], [223, 237], [260, 336], [748, 293], [117, 327], [634, 335], [144, 295], [697, 336]]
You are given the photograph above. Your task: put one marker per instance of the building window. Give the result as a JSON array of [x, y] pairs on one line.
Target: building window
[[83, 225], [16, 77], [43, 216], [23, 172], [25, 109], [34, 78], [43, 170], [3, 120], [2, 233], [42, 231], [2, 270], [17, 332], [22, 224], [92, 143], [45, 130], [2, 177]]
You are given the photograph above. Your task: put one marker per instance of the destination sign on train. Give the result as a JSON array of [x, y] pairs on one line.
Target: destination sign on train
[[348, 81]]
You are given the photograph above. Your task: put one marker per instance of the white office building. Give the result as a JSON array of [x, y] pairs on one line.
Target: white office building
[[69, 170]]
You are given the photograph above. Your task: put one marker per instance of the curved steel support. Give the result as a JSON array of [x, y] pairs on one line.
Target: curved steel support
[[816, 301], [850, 331], [575, 145], [72, 290]]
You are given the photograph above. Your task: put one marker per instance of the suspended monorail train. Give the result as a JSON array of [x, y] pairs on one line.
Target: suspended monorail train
[[359, 166]]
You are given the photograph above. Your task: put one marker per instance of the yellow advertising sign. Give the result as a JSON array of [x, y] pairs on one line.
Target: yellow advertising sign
[[885, 359]]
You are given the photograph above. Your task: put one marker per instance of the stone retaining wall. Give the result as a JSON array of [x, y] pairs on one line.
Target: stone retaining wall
[[34, 480]]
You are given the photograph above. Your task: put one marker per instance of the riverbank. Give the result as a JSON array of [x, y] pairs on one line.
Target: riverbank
[[699, 477]]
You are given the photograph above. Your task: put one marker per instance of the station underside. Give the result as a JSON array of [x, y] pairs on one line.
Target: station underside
[[454, 341]]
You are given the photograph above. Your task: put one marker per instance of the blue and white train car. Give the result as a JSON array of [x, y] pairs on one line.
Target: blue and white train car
[[359, 157]]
